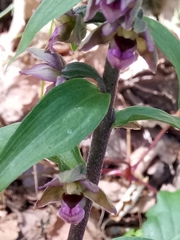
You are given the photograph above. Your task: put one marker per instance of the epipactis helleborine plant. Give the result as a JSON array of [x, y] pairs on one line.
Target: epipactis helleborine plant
[[71, 188]]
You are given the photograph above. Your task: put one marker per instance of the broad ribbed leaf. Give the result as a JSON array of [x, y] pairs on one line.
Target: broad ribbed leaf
[[167, 43], [163, 220], [135, 113], [65, 161], [47, 11], [79, 69], [64, 117], [6, 133], [69, 159]]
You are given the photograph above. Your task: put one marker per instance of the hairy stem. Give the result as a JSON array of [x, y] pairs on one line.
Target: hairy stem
[[98, 148]]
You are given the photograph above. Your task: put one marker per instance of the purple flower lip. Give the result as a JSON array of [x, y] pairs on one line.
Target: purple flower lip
[[73, 214], [72, 200], [120, 59]]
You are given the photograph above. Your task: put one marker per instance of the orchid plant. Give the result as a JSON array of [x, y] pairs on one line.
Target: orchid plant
[[73, 107]]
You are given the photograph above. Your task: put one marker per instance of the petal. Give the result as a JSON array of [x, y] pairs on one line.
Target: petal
[[54, 60], [71, 215], [42, 71], [86, 184], [61, 33], [75, 174], [146, 49], [110, 28], [149, 40], [120, 61], [139, 25], [101, 199], [79, 31], [91, 10], [96, 37], [53, 39], [111, 11], [53, 183], [131, 15], [50, 195], [125, 4], [60, 80]]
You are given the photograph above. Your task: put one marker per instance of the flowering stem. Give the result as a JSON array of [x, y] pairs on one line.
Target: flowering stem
[[98, 147]]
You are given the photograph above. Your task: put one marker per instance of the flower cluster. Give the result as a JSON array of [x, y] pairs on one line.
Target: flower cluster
[[126, 31], [72, 188]]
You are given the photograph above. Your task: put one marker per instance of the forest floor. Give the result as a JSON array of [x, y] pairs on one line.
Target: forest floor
[[155, 147]]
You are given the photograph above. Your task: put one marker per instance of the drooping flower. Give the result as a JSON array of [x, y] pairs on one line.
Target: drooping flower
[[50, 70], [124, 44], [72, 188], [72, 29], [121, 10]]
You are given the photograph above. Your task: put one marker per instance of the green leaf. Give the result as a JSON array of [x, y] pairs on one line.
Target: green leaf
[[63, 118], [66, 160], [163, 220], [131, 238], [79, 69], [167, 43], [135, 113], [6, 10], [69, 159], [47, 11], [6, 133]]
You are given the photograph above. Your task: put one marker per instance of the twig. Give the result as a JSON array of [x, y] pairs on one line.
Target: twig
[[153, 144], [35, 179]]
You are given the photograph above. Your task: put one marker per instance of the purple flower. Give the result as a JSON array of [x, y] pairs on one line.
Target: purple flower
[[121, 58], [71, 29], [49, 71], [124, 44], [114, 9], [71, 188], [55, 37]]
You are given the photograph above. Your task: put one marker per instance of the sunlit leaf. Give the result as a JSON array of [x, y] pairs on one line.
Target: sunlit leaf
[[64, 117], [167, 43], [79, 69], [135, 113], [6, 133], [163, 219], [68, 160]]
